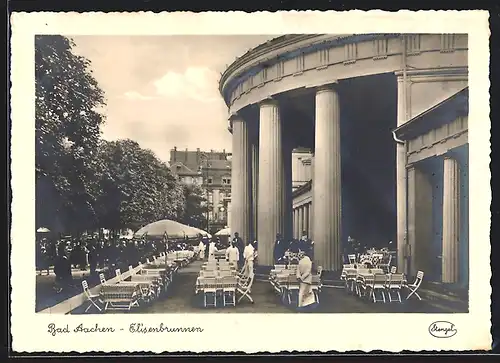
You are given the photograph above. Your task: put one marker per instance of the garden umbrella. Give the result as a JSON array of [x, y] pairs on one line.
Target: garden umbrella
[[173, 229], [224, 232], [43, 230]]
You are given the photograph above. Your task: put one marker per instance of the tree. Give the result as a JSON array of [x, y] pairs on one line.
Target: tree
[[194, 213], [67, 129], [137, 188]]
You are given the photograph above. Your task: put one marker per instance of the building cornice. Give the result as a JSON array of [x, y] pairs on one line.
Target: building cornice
[[302, 189], [442, 113], [290, 46]]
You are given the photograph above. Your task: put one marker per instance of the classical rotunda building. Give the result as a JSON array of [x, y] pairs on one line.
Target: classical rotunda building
[[385, 117]]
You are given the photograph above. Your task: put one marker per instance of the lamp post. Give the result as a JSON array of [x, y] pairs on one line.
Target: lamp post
[[204, 171]]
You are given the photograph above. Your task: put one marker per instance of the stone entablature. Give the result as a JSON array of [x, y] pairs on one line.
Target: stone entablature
[[291, 62]]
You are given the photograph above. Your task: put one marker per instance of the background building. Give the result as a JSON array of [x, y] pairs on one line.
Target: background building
[[211, 170]]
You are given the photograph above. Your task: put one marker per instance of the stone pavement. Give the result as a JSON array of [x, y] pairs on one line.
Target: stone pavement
[[181, 299]]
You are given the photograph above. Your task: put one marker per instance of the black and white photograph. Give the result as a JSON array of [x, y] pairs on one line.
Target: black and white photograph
[[318, 173]]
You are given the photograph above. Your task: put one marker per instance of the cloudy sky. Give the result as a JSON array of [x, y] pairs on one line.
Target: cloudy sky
[[162, 91]]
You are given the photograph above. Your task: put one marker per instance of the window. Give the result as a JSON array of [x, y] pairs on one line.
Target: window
[[210, 180], [178, 168], [226, 181]]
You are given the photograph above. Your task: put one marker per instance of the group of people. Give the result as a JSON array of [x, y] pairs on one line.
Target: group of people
[[96, 252], [237, 251], [293, 247]]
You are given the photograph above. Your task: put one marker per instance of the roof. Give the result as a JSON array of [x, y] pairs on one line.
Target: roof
[[184, 170], [438, 115]]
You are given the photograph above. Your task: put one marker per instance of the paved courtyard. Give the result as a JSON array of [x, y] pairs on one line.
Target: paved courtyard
[[181, 298]]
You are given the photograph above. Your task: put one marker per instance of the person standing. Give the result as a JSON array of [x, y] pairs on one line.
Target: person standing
[[201, 251], [248, 255], [279, 249], [211, 251], [307, 245], [232, 254], [238, 243], [304, 275]]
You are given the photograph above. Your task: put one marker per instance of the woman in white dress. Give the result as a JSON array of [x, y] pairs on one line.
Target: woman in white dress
[[304, 275]]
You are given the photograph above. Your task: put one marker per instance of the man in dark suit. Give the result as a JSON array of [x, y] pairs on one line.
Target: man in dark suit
[[238, 243], [280, 246], [306, 245]]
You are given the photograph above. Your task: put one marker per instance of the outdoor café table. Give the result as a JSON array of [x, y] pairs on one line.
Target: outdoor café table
[[122, 295]]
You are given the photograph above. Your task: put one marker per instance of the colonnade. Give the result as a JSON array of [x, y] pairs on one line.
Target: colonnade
[[302, 220], [261, 194]]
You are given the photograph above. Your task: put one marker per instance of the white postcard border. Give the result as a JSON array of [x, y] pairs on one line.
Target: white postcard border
[[247, 332]]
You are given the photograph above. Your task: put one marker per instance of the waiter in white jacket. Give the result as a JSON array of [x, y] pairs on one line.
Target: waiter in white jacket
[[248, 255], [211, 251], [232, 254], [201, 251], [304, 275]]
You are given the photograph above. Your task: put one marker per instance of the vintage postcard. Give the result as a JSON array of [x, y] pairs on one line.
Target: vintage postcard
[[316, 181]]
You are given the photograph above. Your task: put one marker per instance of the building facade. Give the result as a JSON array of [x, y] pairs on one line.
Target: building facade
[[335, 95], [212, 172]]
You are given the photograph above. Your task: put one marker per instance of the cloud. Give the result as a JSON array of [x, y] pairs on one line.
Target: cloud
[[133, 95], [199, 83]]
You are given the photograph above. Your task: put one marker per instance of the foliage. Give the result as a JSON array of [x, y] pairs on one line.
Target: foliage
[[137, 188], [194, 214], [67, 129], [84, 182]]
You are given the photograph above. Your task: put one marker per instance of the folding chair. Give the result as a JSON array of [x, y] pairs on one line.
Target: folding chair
[[102, 279], [118, 274], [394, 284], [292, 285], [378, 284], [91, 297], [229, 290], [352, 259], [393, 269], [416, 284], [245, 289], [210, 289], [130, 268]]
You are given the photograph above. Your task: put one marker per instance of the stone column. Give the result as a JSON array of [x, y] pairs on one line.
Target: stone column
[[306, 218], [295, 223], [451, 221], [241, 207], [270, 186], [311, 229], [326, 182], [401, 183], [301, 219], [287, 231], [419, 217], [255, 179]]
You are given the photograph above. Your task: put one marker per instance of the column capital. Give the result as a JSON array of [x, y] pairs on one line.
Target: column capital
[[233, 117], [330, 87], [269, 101]]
